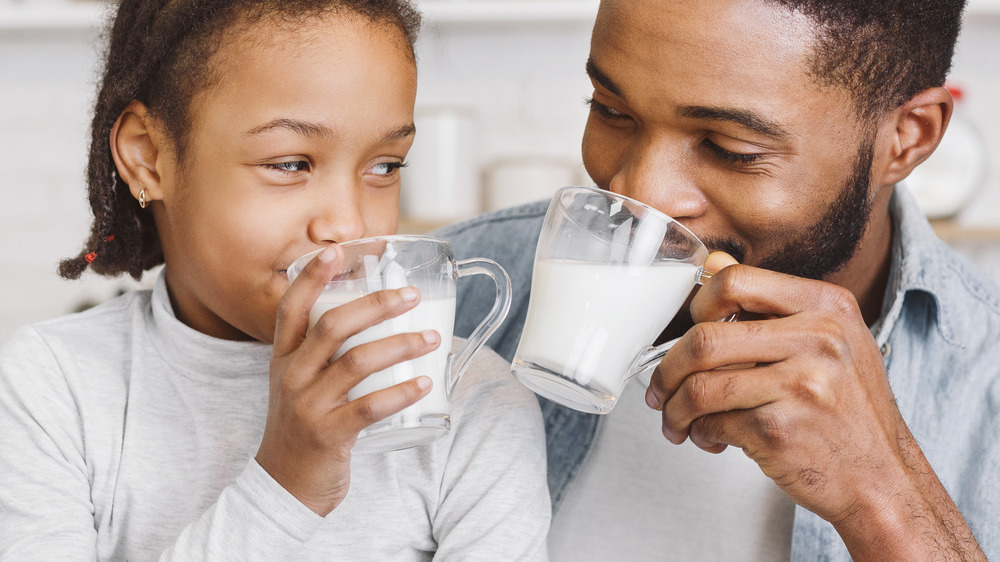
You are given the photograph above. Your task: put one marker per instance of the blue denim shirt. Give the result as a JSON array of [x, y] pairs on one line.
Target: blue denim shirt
[[939, 334]]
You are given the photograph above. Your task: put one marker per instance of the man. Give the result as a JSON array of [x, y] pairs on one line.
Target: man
[[860, 390]]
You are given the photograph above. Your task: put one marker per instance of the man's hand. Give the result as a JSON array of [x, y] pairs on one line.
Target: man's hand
[[801, 387]]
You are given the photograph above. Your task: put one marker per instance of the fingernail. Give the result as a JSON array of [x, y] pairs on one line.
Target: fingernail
[[651, 399], [329, 254], [423, 383], [409, 294], [670, 435], [430, 336]]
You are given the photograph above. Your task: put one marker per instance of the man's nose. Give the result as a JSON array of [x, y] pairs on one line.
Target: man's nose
[[336, 215], [660, 174]]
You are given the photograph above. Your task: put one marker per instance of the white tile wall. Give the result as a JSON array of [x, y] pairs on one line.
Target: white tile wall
[[525, 82]]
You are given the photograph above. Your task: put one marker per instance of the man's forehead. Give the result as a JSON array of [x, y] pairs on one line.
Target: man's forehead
[[745, 62], [745, 21], [722, 48]]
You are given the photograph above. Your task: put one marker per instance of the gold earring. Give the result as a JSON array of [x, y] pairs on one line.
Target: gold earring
[[142, 198]]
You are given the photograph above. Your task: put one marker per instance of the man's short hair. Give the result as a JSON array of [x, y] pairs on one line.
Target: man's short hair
[[882, 51]]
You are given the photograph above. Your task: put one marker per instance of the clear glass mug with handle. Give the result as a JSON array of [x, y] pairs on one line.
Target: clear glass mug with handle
[[427, 263], [609, 275]]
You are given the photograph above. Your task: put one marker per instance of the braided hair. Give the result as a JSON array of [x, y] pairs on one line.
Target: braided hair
[[158, 53]]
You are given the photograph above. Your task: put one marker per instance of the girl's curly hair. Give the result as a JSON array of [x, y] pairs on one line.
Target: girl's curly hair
[[158, 53]]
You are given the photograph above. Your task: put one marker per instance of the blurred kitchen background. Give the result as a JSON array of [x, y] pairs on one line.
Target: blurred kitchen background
[[500, 115]]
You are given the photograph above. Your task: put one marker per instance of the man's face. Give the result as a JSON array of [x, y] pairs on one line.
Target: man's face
[[705, 109]]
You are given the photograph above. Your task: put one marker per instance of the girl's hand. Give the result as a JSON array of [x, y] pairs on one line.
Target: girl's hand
[[311, 426]]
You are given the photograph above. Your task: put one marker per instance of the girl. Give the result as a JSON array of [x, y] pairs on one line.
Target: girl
[[199, 420]]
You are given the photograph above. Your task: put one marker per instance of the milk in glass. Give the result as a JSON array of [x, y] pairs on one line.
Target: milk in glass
[[430, 314], [589, 321]]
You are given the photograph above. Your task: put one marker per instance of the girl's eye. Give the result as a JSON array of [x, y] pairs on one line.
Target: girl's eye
[[729, 156], [606, 112], [386, 168], [290, 166]]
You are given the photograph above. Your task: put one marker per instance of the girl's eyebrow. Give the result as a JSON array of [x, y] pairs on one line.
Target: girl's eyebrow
[[318, 130], [400, 133], [304, 128]]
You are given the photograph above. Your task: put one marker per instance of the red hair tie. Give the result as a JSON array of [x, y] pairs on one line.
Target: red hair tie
[[90, 257]]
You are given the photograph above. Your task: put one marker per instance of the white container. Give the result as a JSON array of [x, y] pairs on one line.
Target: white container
[[516, 181], [441, 181]]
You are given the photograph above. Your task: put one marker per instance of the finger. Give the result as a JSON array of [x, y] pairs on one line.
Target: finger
[[338, 324], [761, 429], [743, 288], [703, 441], [293, 309], [717, 261], [710, 392], [707, 432], [356, 415], [715, 345], [360, 362]]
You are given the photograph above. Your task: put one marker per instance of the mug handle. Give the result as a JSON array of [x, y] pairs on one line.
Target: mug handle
[[652, 355], [501, 306]]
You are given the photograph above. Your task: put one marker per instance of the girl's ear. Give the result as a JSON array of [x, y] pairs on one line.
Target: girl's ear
[[920, 124], [138, 148]]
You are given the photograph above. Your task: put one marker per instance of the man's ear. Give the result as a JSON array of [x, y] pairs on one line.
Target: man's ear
[[138, 148], [920, 124]]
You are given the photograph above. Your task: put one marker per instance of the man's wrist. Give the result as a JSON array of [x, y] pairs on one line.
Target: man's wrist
[[882, 529], [911, 519]]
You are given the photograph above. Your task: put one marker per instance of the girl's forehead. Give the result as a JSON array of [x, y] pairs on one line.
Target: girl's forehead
[[273, 50], [328, 70]]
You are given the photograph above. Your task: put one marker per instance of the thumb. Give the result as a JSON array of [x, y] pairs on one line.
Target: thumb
[[717, 261]]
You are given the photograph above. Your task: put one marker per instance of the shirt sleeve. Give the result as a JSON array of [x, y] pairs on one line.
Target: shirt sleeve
[[46, 510], [254, 519], [494, 502]]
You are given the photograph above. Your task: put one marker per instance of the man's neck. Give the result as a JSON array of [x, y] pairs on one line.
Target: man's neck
[[867, 273]]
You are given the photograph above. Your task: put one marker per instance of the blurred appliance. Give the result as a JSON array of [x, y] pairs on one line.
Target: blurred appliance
[[945, 182]]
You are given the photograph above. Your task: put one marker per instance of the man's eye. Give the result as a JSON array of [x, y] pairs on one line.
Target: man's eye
[[729, 156], [605, 111], [386, 168], [289, 167]]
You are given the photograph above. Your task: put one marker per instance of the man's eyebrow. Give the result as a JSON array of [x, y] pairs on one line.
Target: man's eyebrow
[[601, 78], [741, 117]]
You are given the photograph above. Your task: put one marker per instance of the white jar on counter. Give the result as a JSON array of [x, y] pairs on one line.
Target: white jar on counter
[[441, 182]]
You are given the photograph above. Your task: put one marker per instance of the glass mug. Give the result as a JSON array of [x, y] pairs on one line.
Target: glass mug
[[609, 275], [394, 262]]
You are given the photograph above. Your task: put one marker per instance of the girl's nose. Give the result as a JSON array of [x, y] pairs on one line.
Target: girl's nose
[[337, 218]]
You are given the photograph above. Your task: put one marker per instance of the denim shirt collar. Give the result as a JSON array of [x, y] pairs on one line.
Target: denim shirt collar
[[919, 263]]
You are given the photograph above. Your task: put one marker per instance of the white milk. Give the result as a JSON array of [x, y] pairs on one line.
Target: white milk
[[430, 314], [590, 321]]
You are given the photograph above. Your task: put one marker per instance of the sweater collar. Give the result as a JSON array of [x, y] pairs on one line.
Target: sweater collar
[[196, 354]]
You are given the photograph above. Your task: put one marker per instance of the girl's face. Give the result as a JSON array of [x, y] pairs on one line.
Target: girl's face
[[296, 145]]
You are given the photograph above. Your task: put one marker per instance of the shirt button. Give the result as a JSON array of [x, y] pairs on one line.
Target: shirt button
[[886, 350]]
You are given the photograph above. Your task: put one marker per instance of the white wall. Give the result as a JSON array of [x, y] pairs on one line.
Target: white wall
[[524, 82]]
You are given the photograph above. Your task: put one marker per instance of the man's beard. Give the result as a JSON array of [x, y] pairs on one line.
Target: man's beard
[[830, 243], [823, 249]]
